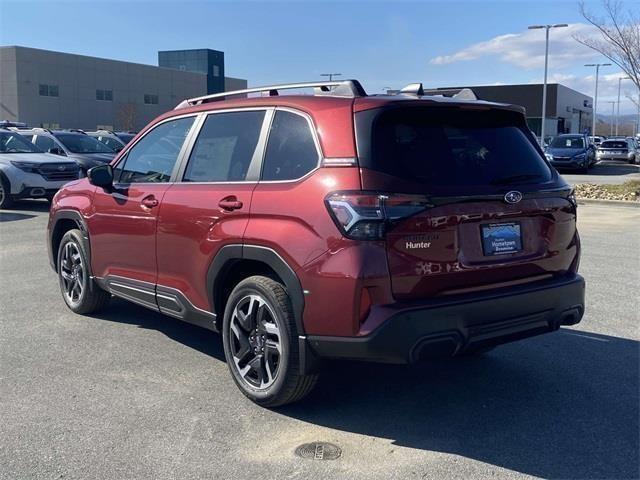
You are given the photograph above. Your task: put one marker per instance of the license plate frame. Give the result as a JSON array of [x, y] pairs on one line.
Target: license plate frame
[[501, 238]]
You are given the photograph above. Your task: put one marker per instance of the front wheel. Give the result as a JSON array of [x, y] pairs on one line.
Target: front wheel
[[79, 290], [261, 343], [6, 200]]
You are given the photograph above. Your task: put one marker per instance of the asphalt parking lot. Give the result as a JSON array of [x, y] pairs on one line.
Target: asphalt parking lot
[[605, 172], [132, 394]]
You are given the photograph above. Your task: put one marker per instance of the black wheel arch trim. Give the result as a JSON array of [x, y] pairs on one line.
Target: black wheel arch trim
[[65, 214], [228, 255]]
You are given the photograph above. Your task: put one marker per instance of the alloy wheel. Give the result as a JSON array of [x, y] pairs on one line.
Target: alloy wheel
[[72, 272], [255, 341]]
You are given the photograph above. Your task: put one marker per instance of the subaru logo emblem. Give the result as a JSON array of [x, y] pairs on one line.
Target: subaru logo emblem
[[61, 168], [513, 196]]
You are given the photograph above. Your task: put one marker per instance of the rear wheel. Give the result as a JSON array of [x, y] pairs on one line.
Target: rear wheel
[[79, 291], [6, 200], [261, 343]]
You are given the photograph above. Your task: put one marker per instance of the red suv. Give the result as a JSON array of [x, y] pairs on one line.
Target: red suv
[[336, 225]]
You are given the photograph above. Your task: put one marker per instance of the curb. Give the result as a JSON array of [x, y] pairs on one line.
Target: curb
[[611, 203]]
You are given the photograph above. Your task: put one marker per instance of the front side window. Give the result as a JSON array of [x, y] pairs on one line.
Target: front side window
[[291, 151], [225, 146], [152, 158], [44, 143]]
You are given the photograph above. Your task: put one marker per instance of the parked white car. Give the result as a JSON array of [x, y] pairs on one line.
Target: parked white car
[[28, 172]]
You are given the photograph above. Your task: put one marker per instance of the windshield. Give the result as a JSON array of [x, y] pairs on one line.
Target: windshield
[[80, 143], [11, 142], [567, 142], [451, 147]]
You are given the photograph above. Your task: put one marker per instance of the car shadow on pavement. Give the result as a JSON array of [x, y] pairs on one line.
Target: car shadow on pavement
[[7, 216], [614, 168], [200, 339], [562, 405]]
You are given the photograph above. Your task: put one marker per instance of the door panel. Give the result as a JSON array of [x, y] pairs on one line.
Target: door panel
[[192, 227], [123, 231], [209, 208]]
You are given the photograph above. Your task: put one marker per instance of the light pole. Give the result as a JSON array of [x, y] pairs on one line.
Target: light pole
[[330, 75], [546, 64], [613, 106], [595, 97], [618, 113]]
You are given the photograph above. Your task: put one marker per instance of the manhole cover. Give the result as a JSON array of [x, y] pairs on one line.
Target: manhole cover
[[319, 451]]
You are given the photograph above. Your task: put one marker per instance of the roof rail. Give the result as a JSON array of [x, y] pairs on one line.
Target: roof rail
[[341, 88], [459, 93]]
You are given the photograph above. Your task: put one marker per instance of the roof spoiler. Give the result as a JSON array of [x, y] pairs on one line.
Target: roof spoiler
[[458, 93]]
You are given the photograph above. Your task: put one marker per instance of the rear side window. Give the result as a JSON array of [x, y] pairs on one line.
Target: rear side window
[[450, 147], [225, 146], [291, 151], [152, 158]]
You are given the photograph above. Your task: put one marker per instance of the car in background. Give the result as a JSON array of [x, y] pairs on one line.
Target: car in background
[[86, 151], [126, 137], [109, 138], [622, 149], [597, 140], [28, 172], [571, 151]]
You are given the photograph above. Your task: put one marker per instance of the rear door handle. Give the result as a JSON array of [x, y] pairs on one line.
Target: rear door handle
[[230, 203], [150, 201]]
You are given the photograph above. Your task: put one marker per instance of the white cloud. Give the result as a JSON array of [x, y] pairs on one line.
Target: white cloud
[[526, 49]]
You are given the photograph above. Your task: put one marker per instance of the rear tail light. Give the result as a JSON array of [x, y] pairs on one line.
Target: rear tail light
[[368, 215]]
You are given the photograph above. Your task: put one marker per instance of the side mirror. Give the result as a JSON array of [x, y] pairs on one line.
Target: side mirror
[[101, 176], [57, 151]]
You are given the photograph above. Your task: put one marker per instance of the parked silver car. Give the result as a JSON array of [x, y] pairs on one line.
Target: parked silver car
[[622, 149], [28, 172]]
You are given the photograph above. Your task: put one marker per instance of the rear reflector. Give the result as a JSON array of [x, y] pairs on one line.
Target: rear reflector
[[367, 215]]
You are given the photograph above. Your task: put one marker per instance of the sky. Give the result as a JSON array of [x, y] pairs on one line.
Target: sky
[[381, 43]]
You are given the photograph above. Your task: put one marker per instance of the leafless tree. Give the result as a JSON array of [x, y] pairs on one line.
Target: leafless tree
[[619, 38], [127, 113]]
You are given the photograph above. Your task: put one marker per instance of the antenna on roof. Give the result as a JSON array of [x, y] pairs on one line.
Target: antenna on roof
[[413, 89]]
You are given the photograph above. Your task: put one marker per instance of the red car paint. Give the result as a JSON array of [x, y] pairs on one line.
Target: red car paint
[[351, 287]]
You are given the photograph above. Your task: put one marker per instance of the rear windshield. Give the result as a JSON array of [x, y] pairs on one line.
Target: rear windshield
[[452, 147], [612, 144]]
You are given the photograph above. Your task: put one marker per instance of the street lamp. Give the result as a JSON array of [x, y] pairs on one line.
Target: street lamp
[[613, 106], [595, 97], [546, 63], [618, 114], [330, 75]]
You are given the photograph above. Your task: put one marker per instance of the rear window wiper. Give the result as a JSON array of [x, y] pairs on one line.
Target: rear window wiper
[[515, 178]]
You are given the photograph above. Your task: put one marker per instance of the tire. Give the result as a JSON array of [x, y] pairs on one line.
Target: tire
[[261, 343], [79, 291], [6, 200]]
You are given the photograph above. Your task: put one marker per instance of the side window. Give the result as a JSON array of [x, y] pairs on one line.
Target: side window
[[151, 160], [291, 152], [225, 147], [44, 143]]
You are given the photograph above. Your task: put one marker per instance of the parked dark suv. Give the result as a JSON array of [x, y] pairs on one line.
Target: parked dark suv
[[334, 225]]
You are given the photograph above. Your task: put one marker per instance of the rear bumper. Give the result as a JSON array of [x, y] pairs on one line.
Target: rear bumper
[[451, 326]]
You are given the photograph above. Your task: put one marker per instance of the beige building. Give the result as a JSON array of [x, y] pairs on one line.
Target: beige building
[[62, 90]]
